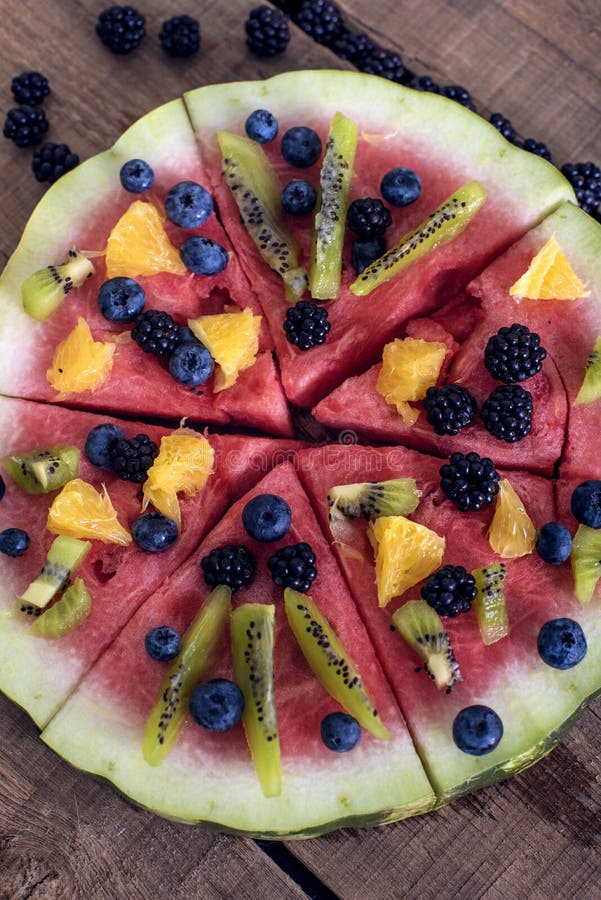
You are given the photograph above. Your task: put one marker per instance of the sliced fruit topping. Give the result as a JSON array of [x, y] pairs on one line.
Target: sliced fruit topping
[[45, 290], [216, 705], [586, 562], [405, 551], [586, 503], [371, 499], [267, 517], [232, 565], [80, 363], [469, 481], [421, 627], [306, 325], [66, 614], [449, 408], [154, 532], [44, 470], [590, 389], [330, 661], [328, 229], [232, 339], [450, 591], [14, 542], [195, 660], [477, 730], [554, 543], [340, 732], [183, 465], [80, 511], [253, 639], [63, 558], [409, 367], [293, 567], [490, 603], [549, 276], [138, 245], [514, 354], [512, 532], [162, 643], [442, 226], [561, 643], [257, 191]]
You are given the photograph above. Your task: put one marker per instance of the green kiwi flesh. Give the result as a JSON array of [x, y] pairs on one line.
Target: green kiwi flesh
[[441, 227], [64, 556], [330, 661], [45, 290], [586, 562], [66, 614], [591, 386], [257, 191], [192, 664], [330, 219], [490, 603], [44, 470], [421, 627], [253, 638], [371, 499]]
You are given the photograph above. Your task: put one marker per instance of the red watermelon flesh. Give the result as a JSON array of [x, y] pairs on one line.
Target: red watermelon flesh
[[40, 673], [507, 676], [101, 726]]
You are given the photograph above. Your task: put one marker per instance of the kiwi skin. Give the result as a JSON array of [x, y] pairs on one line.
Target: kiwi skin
[[422, 628], [370, 499], [44, 470]]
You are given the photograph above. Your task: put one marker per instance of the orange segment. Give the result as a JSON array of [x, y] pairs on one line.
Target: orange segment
[[80, 511], [80, 363], [512, 532], [138, 245], [232, 339], [183, 465], [549, 276], [409, 367], [406, 552]]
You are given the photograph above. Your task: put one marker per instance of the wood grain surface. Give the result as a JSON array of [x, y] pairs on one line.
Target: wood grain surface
[[65, 835]]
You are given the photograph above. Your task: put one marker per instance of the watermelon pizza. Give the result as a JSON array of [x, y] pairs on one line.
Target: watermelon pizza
[[240, 630]]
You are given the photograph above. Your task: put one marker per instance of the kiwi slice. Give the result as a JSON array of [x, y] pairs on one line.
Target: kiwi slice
[[371, 499], [253, 637], [422, 629], [192, 664], [44, 470], [257, 190], [329, 660], [441, 226], [66, 614], [591, 386], [330, 218], [45, 290], [490, 603], [63, 558], [586, 562]]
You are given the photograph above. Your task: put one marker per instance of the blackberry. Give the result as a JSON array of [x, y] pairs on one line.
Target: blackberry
[[504, 126], [353, 47], [306, 325], [514, 354], [538, 148], [585, 178], [364, 253], [121, 28], [29, 88], [450, 408], [156, 332], [50, 161], [424, 83], [232, 565], [180, 36], [385, 63], [321, 20], [507, 413], [368, 218], [459, 95], [132, 457], [267, 31], [469, 481], [450, 591], [293, 567], [25, 125]]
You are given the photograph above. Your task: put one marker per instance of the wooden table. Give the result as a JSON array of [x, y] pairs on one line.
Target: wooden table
[[62, 834]]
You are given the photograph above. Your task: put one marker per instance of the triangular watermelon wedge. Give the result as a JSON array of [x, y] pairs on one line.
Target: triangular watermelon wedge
[[37, 673], [101, 726]]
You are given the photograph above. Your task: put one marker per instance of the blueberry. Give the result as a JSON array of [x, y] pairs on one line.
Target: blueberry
[[191, 364], [136, 176], [14, 541], [301, 146], [186, 335], [266, 517], [477, 730], [340, 732], [154, 532], [586, 503], [188, 204], [99, 443], [366, 252], [121, 299], [163, 643], [203, 256], [261, 126], [561, 643], [2, 487], [554, 543], [217, 704], [400, 186], [299, 197]]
